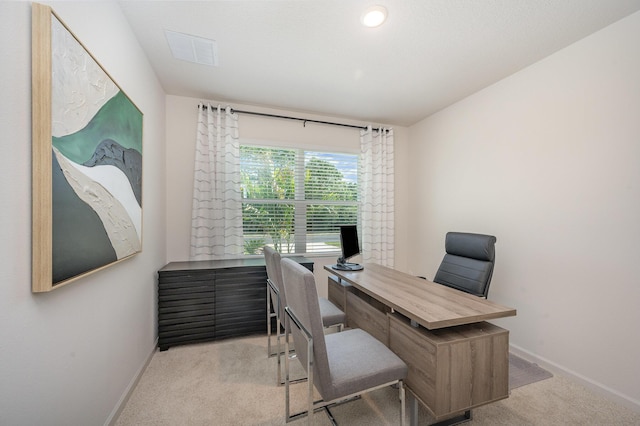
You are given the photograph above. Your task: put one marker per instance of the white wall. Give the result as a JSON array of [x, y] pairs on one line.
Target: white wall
[[548, 160], [181, 124], [68, 357]]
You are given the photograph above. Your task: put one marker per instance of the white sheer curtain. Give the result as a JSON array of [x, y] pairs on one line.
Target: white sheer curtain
[[216, 217], [377, 198]]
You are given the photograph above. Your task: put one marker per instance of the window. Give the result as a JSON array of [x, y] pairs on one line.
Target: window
[[295, 199]]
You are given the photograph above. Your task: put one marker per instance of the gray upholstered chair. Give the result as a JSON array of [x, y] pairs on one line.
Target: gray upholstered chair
[[332, 317], [468, 263], [339, 365]]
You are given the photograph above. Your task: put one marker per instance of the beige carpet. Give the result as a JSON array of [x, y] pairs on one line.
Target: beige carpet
[[232, 382]]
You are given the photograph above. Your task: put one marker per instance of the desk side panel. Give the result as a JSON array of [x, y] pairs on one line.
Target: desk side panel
[[453, 370], [421, 356]]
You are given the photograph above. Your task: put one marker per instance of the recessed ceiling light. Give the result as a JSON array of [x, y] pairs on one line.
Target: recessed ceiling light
[[374, 16]]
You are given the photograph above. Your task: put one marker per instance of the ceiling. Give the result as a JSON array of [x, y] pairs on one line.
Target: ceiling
[[314, 55]]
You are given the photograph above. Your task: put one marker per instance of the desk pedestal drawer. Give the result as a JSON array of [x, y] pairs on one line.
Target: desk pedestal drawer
[[454, 369]]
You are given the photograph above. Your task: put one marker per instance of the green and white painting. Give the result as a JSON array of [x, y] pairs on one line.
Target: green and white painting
[[96, 134]]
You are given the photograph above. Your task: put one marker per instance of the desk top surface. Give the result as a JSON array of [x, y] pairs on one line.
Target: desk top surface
[[429, 304]]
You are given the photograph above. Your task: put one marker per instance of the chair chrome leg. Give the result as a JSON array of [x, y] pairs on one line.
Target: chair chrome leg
[[273, 301], [456, 420], [310, 379], [321, 405], [286, 373], [268, 321], [402, 408], [279, 354], [291, 355]]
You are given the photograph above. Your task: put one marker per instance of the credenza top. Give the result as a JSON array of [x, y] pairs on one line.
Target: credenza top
[[429, 304], [193, 265]]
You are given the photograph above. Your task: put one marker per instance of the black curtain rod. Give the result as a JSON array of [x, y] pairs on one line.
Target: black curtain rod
[[304, 120]]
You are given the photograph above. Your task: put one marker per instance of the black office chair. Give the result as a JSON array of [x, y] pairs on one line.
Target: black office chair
[[468, 264]]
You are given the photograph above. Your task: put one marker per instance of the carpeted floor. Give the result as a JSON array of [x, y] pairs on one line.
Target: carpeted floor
[[232, 382]]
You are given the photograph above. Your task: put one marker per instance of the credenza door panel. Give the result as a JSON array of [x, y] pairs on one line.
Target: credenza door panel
[[240, 301]]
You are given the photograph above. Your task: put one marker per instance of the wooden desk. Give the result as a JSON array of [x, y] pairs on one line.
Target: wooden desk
[[456, 360], [429, 304]]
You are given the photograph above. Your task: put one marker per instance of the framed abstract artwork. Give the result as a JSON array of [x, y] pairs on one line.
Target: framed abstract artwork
[[86, 159]]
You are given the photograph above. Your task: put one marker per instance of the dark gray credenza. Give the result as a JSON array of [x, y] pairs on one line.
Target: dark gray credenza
[[206, 300]]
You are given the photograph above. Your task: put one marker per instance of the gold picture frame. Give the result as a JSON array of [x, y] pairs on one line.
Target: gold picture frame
[[86, 160]]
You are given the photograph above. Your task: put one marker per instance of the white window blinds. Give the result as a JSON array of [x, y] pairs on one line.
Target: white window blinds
[[295, 200]]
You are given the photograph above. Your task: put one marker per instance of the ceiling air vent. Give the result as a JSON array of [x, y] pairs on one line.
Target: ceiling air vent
[[193, 49]]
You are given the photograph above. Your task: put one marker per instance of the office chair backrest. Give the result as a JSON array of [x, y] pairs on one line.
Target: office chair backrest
[[468, 264], [302, 299], [274, 273]]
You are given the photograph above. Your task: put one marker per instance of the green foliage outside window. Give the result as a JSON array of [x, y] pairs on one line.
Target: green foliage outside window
[[269, 178]]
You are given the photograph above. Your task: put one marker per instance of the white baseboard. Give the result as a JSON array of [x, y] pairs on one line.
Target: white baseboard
[[598, 388], [115, 413]]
